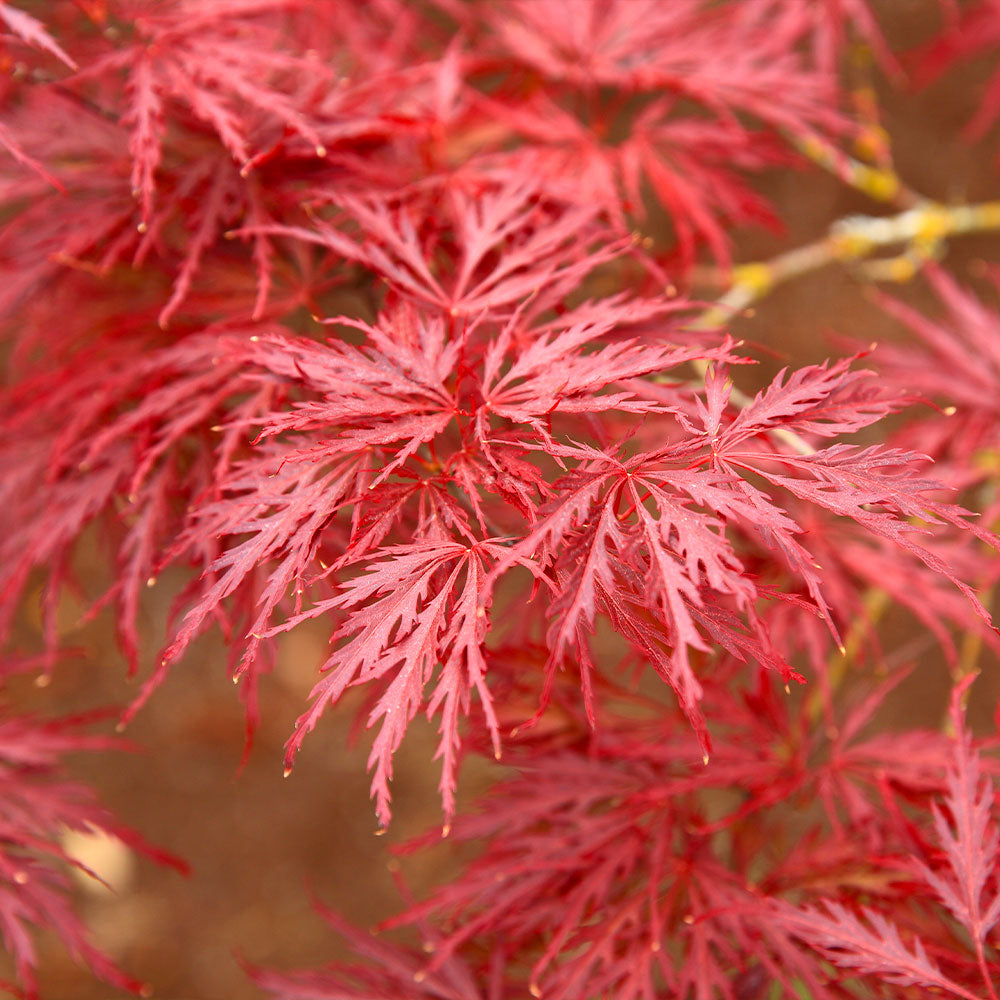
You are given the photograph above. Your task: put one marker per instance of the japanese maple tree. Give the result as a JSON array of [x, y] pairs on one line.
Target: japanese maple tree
[[417, 319]]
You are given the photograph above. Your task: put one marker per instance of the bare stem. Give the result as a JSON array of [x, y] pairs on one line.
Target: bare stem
[[920, 232]]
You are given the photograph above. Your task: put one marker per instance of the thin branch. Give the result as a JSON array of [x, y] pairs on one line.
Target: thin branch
[[921, 231]]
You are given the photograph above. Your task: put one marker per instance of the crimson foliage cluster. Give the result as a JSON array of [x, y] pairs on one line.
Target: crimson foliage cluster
[[379, 312]]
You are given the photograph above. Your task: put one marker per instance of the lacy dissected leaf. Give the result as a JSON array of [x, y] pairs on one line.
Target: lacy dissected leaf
[[970, 840], [695, 170], [458, 198], [861, 766], [225, 64], [378, 404], [568, 371], [694, 167], [725, 58], [646, 544], [82, 225], [832, 25], [415, 620], [961, 360], [31, 31], [58, 218], [876, 488], [38, 804], [504, 243], [274, 527], [826, 400], [11, 144], [729, 57], [611, 552], [392, 391], [106, 431], [388, 970], [911, 944], [977, 29], [285, 513], [957, 362], [876, 562], [593, 876], [210, 97], [869, 944]]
